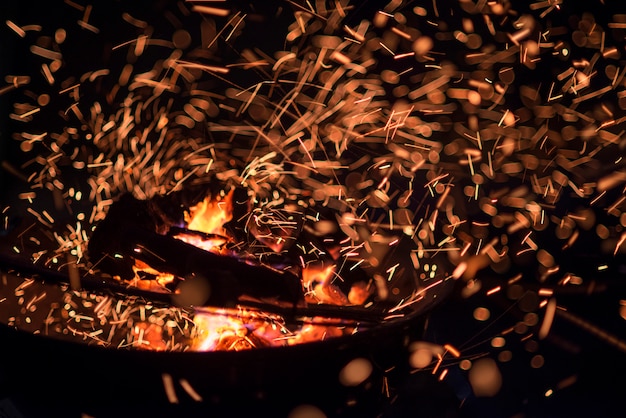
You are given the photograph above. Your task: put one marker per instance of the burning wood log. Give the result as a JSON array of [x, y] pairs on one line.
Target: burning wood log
[[133, 231], [228, 277]]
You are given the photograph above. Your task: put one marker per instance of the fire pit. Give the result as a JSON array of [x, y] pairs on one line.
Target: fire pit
[[88, 378], [280, 332], [106, 344], [262, 292]]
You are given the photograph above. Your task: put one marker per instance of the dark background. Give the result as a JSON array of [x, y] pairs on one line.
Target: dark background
[[584, 362]]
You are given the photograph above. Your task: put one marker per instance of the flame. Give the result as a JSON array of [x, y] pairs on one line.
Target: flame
[[210, 215], [312, 275], [212, 244], [236, 329], [317, 281], [214, 328], [312, 333], [359, 293], [320, 288], [160, 281], [147, 336], [218, 329]]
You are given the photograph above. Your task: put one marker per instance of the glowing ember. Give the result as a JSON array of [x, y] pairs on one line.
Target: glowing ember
[[161, 279], [318, 283], [213, 244], [219, 331]]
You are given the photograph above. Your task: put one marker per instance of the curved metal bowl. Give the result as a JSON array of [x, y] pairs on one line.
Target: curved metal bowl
[[76, 377]]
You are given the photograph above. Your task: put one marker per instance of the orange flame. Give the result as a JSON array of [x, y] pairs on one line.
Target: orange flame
[[235, 330], [210, 215], [162, 279], [210, 244], [215, 328], [319, 286]]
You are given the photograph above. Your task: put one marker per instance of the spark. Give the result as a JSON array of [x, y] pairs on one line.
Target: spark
[[83, 24], [452, 350], [387, 48], [437, 364], [547, 319], [45, 53], [592, 329], [494, 290], [215, 11], [190, 390], [15, 28], [170, 390], [207, 68]]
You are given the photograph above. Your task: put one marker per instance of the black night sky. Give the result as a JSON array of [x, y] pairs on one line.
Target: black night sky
[[577, 367]]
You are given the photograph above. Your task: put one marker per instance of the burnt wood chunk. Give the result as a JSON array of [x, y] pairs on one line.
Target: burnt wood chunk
[[138, 230]]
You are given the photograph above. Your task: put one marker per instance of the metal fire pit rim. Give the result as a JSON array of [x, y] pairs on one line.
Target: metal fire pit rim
[[398, 324]]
